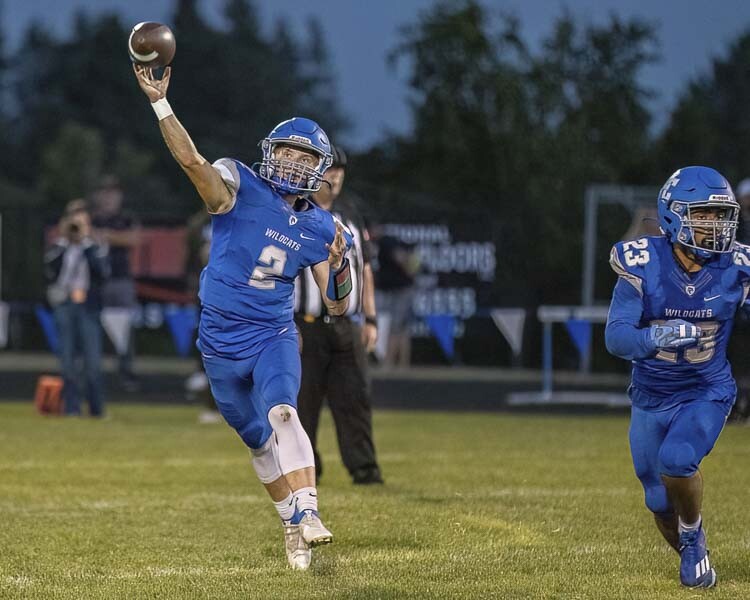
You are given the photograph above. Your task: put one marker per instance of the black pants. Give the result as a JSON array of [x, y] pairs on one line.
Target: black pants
[[333, 368]]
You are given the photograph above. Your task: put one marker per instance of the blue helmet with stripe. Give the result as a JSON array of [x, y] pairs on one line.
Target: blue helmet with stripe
[[699, 199], [293, 177]]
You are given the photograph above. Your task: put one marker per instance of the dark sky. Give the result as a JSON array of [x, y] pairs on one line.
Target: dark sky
[[360, 33]]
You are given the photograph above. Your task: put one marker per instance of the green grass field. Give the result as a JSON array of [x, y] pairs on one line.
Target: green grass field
[[150, 504]]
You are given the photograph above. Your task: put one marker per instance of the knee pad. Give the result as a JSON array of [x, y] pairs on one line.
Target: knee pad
[[677, 460], [266, 461], [657, 500], [295, 450]]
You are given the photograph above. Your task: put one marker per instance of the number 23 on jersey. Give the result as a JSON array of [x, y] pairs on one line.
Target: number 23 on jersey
[[635, 252]]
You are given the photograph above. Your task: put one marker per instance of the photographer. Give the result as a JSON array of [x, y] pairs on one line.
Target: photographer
[[75, 266]]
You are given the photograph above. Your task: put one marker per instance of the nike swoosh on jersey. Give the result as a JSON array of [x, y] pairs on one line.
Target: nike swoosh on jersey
[[711, 298], [304, 237]]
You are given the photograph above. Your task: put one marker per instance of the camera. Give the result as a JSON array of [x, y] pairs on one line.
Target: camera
[[75, 219]]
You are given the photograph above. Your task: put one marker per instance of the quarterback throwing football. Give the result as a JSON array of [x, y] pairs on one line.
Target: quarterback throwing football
[[265, 229]]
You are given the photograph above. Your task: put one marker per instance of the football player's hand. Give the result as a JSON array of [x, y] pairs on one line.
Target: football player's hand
[[337, 249], [369, 336], [155, 89], [673, 334]]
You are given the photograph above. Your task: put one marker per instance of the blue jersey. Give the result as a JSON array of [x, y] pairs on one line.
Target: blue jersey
[[257, 249], [653, 287]]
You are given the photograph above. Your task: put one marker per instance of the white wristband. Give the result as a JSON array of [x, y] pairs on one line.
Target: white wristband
[[161, 108]]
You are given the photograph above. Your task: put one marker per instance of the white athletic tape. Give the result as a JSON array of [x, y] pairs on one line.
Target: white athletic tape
[[161, 108]]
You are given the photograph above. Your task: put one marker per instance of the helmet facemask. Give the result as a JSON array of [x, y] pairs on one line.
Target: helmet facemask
[[291, 176], [704, 233]]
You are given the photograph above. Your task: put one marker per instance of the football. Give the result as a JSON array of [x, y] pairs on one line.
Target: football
[[151, 45]]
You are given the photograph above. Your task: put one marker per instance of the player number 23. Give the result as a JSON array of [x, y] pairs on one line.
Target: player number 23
[[700, 353], [635, 252], [272, 261]]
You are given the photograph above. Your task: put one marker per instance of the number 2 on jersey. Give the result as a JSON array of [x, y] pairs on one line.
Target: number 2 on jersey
[[273, 261]]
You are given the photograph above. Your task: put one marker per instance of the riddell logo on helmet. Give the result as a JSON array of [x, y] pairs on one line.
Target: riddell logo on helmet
[[299, 138], [719, 198]]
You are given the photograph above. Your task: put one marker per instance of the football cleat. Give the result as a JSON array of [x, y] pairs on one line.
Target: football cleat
[[298, 553], [695, 569], [312, 529]]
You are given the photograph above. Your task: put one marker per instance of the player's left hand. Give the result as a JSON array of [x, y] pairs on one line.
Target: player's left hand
[[673, 334], [337, 249], [369, 336]]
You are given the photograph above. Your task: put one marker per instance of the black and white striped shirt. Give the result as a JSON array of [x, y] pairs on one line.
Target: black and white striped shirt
[[307, 298]]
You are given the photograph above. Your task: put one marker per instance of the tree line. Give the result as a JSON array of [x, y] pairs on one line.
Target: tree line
[[504, 134]]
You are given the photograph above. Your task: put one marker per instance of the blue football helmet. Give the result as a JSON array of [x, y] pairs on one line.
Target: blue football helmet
[[692, 188], [291, 177]]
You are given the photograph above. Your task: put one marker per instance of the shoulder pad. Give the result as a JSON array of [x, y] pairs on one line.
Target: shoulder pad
[[243, 167], [250, 178], [741, 257], [229, 172], [628, 260]]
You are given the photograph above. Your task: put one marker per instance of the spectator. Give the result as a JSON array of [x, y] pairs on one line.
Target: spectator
[[120, 231], [334, 359], [743, 197], [75, 267], [398, 266]]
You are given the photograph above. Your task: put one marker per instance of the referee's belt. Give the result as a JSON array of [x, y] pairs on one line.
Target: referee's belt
[[327, 319]]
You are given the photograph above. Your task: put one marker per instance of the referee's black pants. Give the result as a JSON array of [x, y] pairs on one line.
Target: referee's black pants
[[333, 368]]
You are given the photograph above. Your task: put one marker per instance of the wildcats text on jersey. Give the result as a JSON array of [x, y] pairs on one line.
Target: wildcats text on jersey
[[283, 239], [700, 313]]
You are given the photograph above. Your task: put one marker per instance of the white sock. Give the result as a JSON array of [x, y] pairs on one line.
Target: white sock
[[307, 499], [682, 526], [285, 508]]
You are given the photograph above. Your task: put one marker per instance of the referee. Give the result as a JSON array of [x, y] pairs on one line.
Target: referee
[[334, 358]]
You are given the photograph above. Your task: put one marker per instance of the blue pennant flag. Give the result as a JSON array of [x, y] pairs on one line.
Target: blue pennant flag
[[47, 321], [442, 327], [580, 333], [182, 323]]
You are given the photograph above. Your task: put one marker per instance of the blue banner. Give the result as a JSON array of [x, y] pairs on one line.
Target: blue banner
[[442, 327], [47, 321], [182, 323], [580, 333]]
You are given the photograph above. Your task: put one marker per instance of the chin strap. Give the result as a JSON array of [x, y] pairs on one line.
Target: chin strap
[[339, 282], [699, 254]]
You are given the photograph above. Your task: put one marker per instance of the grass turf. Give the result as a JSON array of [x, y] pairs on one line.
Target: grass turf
[[150, 504]]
